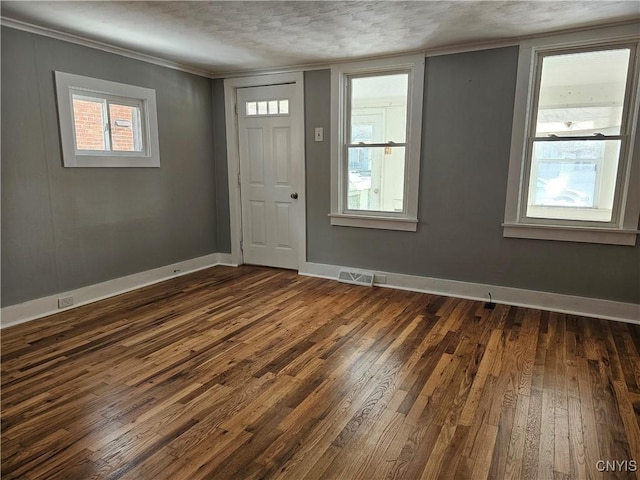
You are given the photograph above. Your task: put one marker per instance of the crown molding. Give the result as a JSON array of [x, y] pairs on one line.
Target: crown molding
[[105, 47], [429, 52]]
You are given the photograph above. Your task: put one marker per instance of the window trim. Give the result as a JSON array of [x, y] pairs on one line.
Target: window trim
[[340, 215], [623, 228], [68, 84]]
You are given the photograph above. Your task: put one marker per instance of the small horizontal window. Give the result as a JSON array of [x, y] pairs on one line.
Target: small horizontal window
[[264, 108], [106, 124]]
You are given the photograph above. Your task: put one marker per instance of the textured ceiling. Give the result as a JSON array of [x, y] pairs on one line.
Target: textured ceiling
[[236, 36]]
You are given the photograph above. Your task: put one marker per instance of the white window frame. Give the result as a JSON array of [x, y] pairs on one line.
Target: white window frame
[[68, 84], [340, 215], [623, 227]]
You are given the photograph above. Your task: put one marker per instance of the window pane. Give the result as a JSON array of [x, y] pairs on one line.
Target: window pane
[[384, 97], [284, 106], [89, 122], [273, 107], [582, 93], [125, 128], [252, 108], [262, 108], [573, 180], [376, 179]]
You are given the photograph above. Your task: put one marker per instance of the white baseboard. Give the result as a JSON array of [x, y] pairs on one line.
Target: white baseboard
[[41, 307], [583, 306], [590, 307]]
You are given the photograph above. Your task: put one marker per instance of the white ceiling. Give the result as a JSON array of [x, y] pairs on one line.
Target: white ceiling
[[234, 36]]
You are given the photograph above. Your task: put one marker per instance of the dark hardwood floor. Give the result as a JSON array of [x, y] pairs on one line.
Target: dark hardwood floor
[[256, 373]]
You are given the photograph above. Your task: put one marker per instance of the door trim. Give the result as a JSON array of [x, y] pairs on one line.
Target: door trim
[[233, 156]]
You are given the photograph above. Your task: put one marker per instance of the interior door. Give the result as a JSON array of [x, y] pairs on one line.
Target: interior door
[[269, 175]]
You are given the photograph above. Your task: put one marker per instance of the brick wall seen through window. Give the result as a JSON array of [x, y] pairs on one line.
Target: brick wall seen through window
[[122, 127], [89, 120]]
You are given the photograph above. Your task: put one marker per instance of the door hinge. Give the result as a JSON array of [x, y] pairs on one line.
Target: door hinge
[[235, 108], [239, 179], [241, 246]]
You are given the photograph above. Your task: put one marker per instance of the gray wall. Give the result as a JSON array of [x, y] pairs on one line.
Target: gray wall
[[220, 159], [64, 228], [465, 154]]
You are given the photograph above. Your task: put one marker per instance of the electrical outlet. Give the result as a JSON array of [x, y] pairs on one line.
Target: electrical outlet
[[380, 279], [319, 134], [64, 302]]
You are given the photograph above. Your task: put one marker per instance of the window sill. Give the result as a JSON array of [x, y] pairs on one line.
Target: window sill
[[610, 236], [113, 161], [369, 221]]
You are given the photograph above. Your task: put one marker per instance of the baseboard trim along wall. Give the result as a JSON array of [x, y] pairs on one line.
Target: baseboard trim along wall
[[42, 307], [583, 306], [589, 307]]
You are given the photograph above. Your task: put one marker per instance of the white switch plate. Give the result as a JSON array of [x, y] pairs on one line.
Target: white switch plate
[[319, 134]]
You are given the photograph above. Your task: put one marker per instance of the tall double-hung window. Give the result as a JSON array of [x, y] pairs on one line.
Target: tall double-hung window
[[573, 175], [376, 130]]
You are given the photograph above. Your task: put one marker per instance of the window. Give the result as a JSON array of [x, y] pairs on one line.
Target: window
[[376, 135], [106, 124], [572, 168], [267, 108]]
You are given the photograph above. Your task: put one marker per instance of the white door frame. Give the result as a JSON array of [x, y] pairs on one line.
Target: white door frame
[[233, 156]]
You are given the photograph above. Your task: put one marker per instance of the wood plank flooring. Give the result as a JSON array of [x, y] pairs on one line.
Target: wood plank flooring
[[258, 373]]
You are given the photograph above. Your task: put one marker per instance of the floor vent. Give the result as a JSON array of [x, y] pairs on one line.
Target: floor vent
[[357, 278]]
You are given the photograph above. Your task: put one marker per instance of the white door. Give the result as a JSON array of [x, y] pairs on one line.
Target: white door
[[271, 152]]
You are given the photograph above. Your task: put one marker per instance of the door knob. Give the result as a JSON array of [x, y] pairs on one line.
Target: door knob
[[294, 195]]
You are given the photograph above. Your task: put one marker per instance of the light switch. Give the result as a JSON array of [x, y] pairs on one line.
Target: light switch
[[319, 134]]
